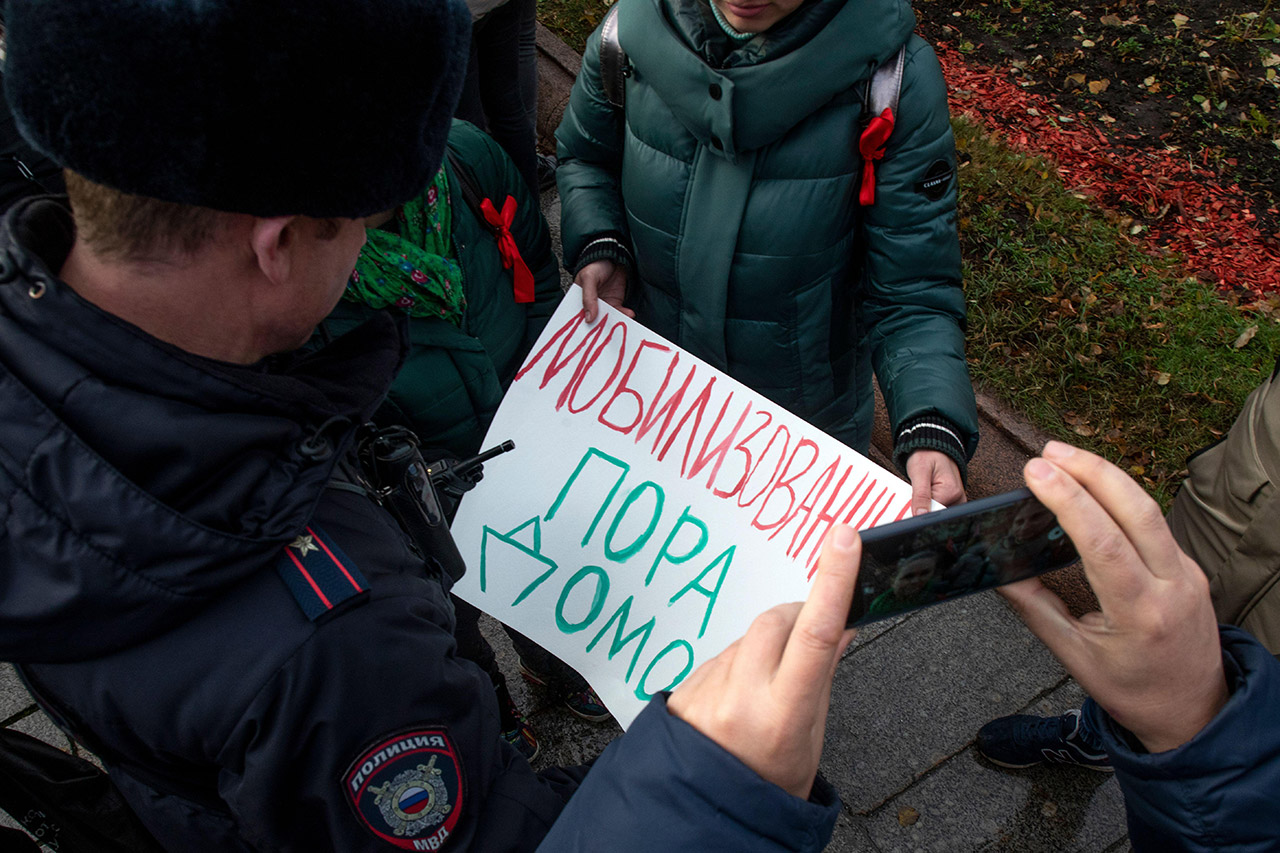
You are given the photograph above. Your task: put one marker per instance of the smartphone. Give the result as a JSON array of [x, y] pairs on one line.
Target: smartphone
[[956, 551]]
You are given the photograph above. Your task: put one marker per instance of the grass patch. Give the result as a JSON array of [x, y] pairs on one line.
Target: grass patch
[[1086, 333], [572, 20]]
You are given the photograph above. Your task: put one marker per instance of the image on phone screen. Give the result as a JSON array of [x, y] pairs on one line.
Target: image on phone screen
[[957, 551]]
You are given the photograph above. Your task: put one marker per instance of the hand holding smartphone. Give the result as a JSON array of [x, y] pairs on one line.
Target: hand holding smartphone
[[964, 549]]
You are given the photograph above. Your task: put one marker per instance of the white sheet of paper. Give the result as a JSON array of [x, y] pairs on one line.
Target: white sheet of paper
[[652, 507]]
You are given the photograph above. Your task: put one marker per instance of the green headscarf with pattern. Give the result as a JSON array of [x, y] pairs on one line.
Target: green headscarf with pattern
[[416, 270]]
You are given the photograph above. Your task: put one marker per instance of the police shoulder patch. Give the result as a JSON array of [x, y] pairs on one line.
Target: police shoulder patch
[[407, 788]]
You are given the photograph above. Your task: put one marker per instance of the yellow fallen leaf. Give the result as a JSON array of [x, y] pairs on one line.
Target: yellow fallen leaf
[[1246, 336], [1180, 20], [1096, 86], [1163, 378], [907, 816]]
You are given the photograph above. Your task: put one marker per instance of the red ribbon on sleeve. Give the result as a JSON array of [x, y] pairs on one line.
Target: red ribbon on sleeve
[[871, 147], [501, 225]]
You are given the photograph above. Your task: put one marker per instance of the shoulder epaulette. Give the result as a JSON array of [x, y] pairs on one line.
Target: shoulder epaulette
[[319, 575]]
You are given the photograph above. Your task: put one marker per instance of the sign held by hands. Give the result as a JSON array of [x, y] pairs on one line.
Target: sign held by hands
[[653, 506]]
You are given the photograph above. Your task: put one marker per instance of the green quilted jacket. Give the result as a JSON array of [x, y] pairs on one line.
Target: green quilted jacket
[[733, 179], [454, 378]]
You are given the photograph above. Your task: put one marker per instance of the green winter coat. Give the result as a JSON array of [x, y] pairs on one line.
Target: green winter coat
[[735, 180], [454, 378]]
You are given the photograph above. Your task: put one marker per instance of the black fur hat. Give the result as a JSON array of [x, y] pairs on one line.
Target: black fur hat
[[327, 108]]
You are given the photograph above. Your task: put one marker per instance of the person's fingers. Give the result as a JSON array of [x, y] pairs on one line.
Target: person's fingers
[[850, 635], [587, 281], [920, 473], [695, 680], [1111, 564], [948, 484], [761, 648], [819, 631], [1048, 618], [921, 494], [1133, 510]]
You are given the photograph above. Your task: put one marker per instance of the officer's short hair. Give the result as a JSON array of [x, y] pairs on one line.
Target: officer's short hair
[[128, 227]]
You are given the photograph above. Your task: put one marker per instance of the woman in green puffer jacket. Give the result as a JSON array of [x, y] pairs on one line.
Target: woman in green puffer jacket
[[722, 206]]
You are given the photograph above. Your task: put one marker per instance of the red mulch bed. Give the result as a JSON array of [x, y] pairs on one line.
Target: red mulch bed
[[1182, 205]]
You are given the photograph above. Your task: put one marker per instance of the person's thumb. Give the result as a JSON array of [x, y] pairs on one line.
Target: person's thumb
[[921, 495]]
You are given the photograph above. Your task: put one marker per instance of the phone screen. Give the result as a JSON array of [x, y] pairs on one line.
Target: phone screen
[[942, 555]]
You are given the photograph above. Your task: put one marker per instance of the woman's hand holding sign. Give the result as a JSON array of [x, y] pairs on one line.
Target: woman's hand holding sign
[[605, 280], [765, 697], [934, 477], [1151, 656]]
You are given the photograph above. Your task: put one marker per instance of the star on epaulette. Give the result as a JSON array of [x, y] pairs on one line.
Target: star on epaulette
[[304, 545]]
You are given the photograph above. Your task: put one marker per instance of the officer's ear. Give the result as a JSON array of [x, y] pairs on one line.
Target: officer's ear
[[274, 241]]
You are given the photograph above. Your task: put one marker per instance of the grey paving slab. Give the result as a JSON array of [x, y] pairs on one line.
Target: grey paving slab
[[567, 740], [872, 631], [967, 804], [916, 695], [850, 835], [13, 696], [551, 210], [39, 726], [8, 822]]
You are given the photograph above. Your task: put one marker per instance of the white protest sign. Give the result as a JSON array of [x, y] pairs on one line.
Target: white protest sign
[[652, 508]]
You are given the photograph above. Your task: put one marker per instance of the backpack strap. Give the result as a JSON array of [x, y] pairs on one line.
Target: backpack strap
[[466, 182], [614, 69], [886, 84], [881, 101], [498, 222]]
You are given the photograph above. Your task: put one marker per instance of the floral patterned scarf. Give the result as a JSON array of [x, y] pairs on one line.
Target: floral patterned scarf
[[416, 270]]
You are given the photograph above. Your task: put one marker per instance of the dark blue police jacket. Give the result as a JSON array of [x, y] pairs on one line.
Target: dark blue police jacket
[[251, 645]]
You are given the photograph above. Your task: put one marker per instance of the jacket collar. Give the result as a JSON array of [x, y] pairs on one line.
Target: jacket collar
[[771, 84]]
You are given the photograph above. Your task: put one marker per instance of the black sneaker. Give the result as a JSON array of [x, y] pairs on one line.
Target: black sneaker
[[1022, 740]]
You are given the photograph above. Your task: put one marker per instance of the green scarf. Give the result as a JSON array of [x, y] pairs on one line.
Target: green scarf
[[416, 270]]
